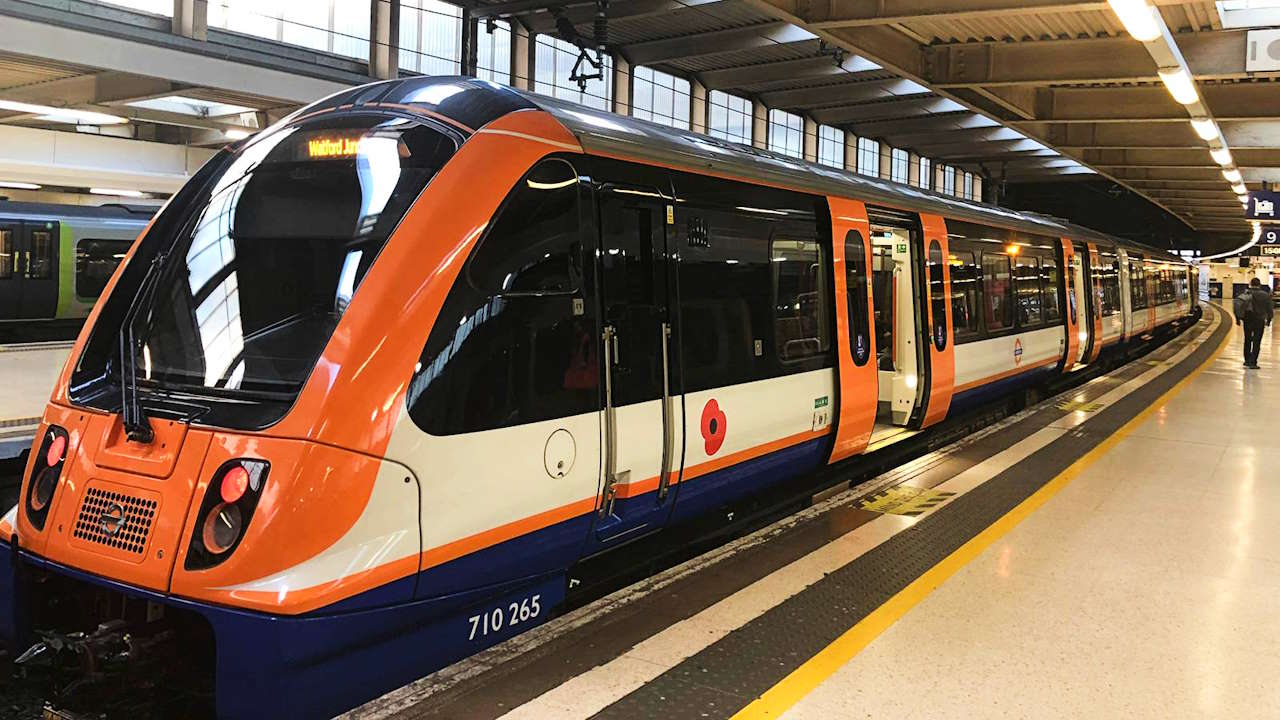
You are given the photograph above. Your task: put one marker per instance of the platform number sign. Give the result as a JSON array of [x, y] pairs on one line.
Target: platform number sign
[[1263, 205], [1270, 234]]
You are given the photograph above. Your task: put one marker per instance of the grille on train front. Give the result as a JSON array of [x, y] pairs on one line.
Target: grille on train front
[[115, 519]]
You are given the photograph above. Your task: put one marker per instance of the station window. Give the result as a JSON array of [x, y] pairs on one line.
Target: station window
[[965, 290], [926, 174], [786, 133], [900, 165], [855, 259], [430, 37], [799, 298], [831, 146], [660, 98], [95, 261], [949, 180], [997, 291], [493, 51], [508, 347], [1049, 288], [968, 186], [729, 117], [868, 157], [335, 26], [554, 63]]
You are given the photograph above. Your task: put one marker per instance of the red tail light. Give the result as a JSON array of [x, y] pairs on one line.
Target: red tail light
[[45, 471], [225, 512]]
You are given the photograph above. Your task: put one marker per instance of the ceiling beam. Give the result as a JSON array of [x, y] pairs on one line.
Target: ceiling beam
[[853, 13], [840, 94], [904, 108], [783, 70], [1215, 55], [1239, 134], [970, 135], [938, 122], [104, 87], [537, 19], [1228, 101], [1180, 160], [654, 52]]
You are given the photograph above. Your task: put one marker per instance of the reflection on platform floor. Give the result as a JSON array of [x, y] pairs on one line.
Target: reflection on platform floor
[[27, 374]]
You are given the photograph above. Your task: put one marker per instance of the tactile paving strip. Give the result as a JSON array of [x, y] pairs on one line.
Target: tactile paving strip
[[732, 672]]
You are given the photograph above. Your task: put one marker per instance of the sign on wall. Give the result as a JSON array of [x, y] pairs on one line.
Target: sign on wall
[[1270, 235], [1263, 205]]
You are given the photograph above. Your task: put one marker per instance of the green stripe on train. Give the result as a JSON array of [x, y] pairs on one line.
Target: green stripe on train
[[67, 305]]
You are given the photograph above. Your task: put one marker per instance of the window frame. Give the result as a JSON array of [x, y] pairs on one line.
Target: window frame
[[823, 286]]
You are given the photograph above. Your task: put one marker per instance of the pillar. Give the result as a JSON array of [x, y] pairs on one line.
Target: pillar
[[886, 161], [810, 139], [522, 56], [621, 85], [759, 125], [384, 39], [191, 19], [850, 152], [913, 169], [697, 107]]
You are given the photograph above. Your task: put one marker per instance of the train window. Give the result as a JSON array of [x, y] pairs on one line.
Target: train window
[[997, 291], [855, 261], [1109, 285], [8, 256], [799, 298], [1026, 278], [1049, 288], [1137, 285], [510, 345], [883, 301], [937, 295], [535, 247], [965, 290], [40, 256], [95, 261]]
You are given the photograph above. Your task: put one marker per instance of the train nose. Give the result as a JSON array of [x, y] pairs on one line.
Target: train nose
[[119, 506]]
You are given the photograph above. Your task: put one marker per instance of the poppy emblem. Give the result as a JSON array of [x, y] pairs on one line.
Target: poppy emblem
[[714, 425], [1017, 352]]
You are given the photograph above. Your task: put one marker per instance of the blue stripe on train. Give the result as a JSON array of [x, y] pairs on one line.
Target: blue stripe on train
[[974, 397], [321, 663]]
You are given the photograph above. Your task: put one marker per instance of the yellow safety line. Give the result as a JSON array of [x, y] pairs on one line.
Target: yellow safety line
[[791, 689]]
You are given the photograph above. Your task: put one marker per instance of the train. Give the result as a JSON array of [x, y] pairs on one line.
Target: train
[[55, 260], [377, 377]]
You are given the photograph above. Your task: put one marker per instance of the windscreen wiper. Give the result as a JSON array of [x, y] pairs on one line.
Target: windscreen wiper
[[137, 426]]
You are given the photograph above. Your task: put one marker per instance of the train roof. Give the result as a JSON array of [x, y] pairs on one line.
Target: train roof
[[54, 211], [473, 103]]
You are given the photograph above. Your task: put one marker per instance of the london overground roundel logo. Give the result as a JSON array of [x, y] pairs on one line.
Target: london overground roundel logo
[[714, 426], [1017, 352]]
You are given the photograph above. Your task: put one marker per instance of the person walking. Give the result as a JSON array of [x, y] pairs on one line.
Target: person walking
[[1254, 311]]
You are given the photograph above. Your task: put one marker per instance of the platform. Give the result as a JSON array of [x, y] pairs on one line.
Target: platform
[[1109, 552], [29, 371]]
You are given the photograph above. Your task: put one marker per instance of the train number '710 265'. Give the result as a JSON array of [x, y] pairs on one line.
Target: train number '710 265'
[[515, 613]]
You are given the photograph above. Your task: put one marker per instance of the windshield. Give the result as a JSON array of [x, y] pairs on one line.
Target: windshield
[[268, 257]]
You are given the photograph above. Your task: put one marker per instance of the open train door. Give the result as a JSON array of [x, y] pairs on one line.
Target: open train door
[[1070, 281], [1095, 303], [859, 390], [939, 378]]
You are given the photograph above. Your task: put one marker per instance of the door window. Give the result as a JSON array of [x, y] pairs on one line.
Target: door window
[[40, 258], [1026, 277], [634, 287], [1049, 290], [8, 253], [799, 299], [965, 289], [937, 295], [855, 260]]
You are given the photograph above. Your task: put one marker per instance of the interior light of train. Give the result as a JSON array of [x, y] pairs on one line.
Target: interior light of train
[[1084, 336], [912, 381], [322, 147], [1138, 18], [535, 185], [1013, 249]]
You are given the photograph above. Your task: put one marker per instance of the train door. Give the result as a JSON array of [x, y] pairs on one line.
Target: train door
[[28, 270], [643, 409], [899, 326], [1081, 272], [1071, 321], [855, 344]]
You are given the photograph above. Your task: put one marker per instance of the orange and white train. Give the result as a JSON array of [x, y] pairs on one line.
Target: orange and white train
[[370, 384]]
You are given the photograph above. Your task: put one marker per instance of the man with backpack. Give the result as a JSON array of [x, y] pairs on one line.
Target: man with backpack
[[1254, 311]]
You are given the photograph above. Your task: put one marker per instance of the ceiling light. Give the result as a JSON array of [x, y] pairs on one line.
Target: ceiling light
[[1222, 156], [1180, 85], [236, 134], [62, 115], [1232, 176], [18, 185], [1138, 17], [1207, 129], [119, 193], [1239, 189]]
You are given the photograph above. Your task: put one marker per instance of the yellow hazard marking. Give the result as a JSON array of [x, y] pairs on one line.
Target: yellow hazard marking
[[791, 689], [1079, 405], [904, 500]]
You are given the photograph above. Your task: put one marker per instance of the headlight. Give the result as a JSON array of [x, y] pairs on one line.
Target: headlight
[[228, 505]]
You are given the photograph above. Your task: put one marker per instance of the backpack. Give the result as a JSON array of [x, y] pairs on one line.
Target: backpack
[[1244, 305]]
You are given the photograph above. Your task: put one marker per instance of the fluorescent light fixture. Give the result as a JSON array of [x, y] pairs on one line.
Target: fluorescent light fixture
[[1205, 128], [49, 113], [1180, 85], [1222, 156], [1233, 176], [235, 134], [1240, 189], [118, 193], [18, 185], [1138, 17], [195, 107]]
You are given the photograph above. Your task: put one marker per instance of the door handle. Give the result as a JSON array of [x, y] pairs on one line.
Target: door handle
[[610, 339], [664, 478]]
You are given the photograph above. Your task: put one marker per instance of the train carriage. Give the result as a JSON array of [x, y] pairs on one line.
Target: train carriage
[[377, 377]]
